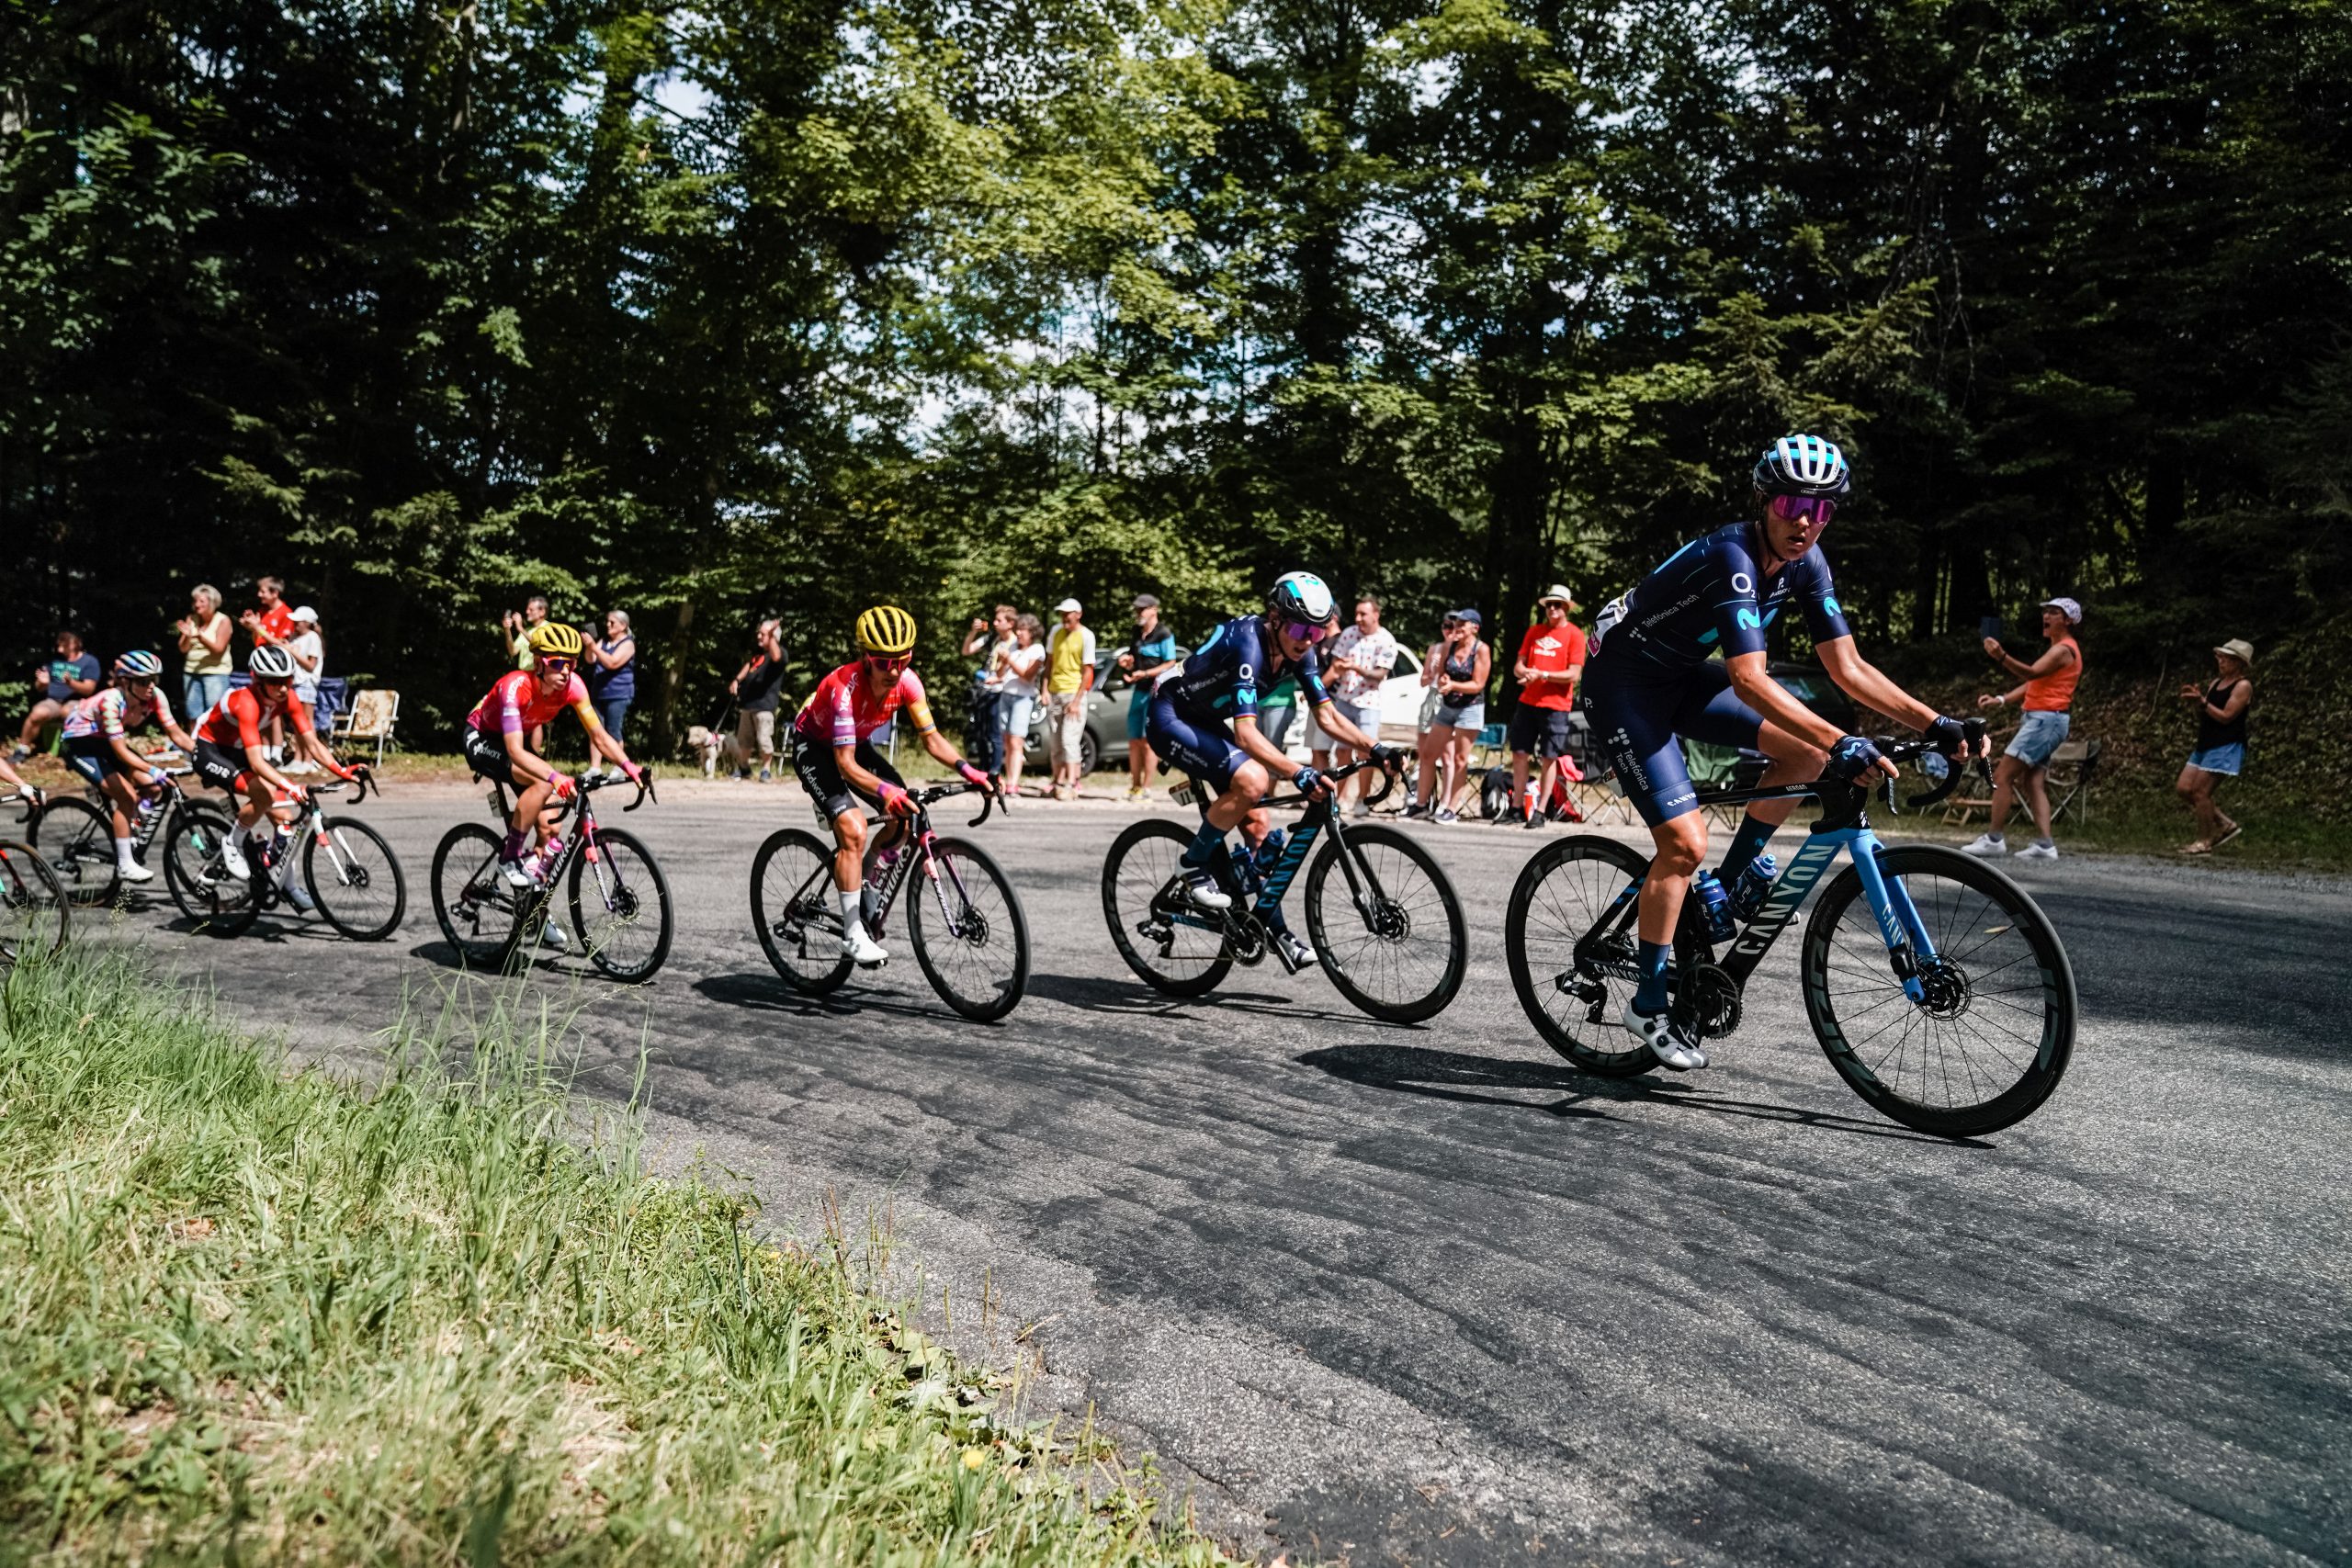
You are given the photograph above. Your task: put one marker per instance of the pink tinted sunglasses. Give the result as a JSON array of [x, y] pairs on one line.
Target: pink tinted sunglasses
[[1812, 508], [1305, 634]]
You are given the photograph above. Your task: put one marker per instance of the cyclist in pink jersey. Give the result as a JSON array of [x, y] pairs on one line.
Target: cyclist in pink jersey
[[97, 745], [840, 770], [496, 740]]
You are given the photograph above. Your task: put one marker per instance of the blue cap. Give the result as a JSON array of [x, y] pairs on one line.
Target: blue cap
[[1468, 617]]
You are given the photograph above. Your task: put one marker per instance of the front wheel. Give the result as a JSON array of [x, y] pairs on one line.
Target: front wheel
[[1176, 948], [968, 931], [478, 912], [76, 838], [1392, 937], [355, 879], [796, 913], [1567, 934], [1993, 1036], [620, 906]]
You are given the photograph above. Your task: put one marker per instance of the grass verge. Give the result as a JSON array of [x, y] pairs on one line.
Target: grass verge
[[252, 1313]]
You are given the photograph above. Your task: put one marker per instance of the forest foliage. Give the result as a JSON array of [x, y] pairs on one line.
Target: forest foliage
[[704, 310]]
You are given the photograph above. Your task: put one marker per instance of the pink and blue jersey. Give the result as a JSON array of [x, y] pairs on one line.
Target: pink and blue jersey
[[113, 713]]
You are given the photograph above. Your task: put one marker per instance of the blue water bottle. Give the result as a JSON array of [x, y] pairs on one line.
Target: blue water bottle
[[1270, 851], [1755, 885], [1714, 906]]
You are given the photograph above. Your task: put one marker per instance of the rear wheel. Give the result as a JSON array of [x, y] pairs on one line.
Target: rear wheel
[[620, 906], [76, 838], [1394, 944], [1574, 1000], [1994, 1035], [34, 912], [478, 912], [1176, 950], [355, 880], [206, 894], [969, 934], [796, 913]]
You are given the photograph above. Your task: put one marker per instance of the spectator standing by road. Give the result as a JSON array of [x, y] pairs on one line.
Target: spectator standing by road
[[984, 735], [1152, 655], [1551, 661], [2047, 692], [1024, 663], [309, 650], [755, 689], [610, 673], [514, 631], [1459, 669], [2221, 710], [206, 661], [1070, 676], [270, 622], [1361, 658], [58, 685]]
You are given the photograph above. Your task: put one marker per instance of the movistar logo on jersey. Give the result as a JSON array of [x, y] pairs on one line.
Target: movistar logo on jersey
[[1749, 621], [1829, 603]]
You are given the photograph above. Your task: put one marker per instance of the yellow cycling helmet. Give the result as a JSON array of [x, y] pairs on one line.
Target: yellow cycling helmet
[[553, 640], [886, 629]]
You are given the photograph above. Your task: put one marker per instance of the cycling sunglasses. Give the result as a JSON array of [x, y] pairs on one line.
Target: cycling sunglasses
[[1298, 632], [1812, 508], [890, 663], [555, 666]]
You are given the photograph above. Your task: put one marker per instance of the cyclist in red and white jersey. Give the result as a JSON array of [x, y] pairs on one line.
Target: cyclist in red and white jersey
[[230, 748], [839, 768], [97, 745], [497, 746]]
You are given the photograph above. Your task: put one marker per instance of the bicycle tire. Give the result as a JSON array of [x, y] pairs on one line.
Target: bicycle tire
[[1352, 955], [621, 896], [218, 903], [2038, 1063], [76, 838], [351, 879], [1127, 894], [1539, 930], [795, 914], [477, 912], [970, 865], [31, 894]]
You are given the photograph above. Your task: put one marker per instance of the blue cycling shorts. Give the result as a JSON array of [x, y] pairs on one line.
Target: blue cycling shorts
[[1636, 716], [1205, 750]]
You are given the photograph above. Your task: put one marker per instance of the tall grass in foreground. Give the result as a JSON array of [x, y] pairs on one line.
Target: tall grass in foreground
[[253, 1313]]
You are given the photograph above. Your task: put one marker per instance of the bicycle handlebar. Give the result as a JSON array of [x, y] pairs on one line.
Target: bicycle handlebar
[[606, 781], [991, 799]]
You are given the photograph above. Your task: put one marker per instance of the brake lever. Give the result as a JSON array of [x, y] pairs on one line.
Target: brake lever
[[644, 793], [1387, 784], [987, 806]]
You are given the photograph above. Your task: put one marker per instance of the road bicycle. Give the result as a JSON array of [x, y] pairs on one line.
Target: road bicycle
[[965, 923], [617, 898], [1938, 989], [36, 913], [76, 835], [1386, 928], [338, 865]]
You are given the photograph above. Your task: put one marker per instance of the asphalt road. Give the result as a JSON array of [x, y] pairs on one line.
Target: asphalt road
[[1428, 1295]]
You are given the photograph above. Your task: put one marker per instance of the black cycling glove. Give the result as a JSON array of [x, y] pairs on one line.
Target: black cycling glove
[[1853, 756]]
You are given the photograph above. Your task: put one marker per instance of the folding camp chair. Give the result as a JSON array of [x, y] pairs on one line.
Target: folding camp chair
[[372, 717]]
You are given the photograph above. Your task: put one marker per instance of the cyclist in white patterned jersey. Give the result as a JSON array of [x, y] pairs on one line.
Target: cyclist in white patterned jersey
[[1682, 654]]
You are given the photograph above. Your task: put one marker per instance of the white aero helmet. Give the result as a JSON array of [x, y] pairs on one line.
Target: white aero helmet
[[1301, 596]]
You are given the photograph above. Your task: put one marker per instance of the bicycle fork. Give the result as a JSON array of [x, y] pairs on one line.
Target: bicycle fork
[[1909, 949]]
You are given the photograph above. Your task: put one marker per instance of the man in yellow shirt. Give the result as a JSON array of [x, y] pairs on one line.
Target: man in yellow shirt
[[1070, 676]]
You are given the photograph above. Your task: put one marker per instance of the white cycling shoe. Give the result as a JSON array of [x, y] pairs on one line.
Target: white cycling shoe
[[300, 897], [1201, 890], [863, 950], [233, 863], [134, 872], [1668, 1044]]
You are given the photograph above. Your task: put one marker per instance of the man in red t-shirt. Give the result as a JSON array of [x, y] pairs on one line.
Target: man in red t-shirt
[[271, 624], [1551, 661]]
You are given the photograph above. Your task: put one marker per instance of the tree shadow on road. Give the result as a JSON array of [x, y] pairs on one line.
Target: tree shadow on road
[[1457, 1075]]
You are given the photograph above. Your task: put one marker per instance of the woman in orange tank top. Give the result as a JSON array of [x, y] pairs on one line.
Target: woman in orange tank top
[[2046, 689]]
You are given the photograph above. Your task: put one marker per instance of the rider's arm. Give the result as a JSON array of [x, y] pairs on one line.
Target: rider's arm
[[1766, 696], [1861, 679], [1327, 718], [1246, 735]]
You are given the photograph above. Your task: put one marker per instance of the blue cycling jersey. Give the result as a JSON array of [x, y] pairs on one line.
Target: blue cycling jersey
[[1704, 597], [1223, 678]]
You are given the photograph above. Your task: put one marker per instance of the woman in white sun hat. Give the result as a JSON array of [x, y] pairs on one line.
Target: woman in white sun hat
[[2220, 742]]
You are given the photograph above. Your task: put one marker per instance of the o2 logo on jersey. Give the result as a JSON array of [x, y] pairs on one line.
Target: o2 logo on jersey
[[1249, 676], [1742, 583]]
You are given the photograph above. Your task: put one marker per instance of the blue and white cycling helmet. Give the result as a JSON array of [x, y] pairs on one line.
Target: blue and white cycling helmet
[[1301, 596], [141, 665], [1803, 465]]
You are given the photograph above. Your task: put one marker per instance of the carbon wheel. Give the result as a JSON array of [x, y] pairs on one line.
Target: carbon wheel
[[76, 838], [1175, 952], [36, 915], [477, 911], [1393, 941], [217, 902], [355, 879], [620, 906], [1992, 1037], [968, 931], [796, 913], [1561, 895]]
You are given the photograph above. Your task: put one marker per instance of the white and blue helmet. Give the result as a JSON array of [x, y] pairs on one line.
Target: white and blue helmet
[[1301, 596], [140, 665], [1803, 465]]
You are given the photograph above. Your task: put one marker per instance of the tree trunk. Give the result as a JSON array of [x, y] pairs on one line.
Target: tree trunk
[[673, 675]]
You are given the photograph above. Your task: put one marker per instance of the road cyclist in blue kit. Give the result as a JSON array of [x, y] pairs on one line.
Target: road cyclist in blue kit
[[1683, 655]]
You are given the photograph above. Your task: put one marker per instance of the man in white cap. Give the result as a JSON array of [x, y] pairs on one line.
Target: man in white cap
[[2045, 691], [1070, 676]]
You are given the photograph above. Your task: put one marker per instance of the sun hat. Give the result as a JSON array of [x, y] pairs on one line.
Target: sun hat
[[1067, 605], [1558, 591], [2237, 648], [2073, 610], [306, 614]]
